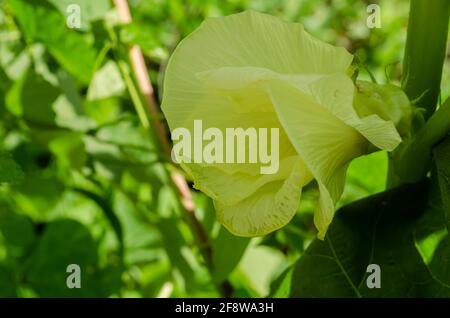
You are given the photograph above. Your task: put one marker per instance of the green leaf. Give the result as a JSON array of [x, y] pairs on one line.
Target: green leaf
[[89, 10], [69, 149], [10, 171], [377, 230], [107, 82], [121, 146], [431, 234], [258, 267], [38, 195], [69, 87], [8, 284], [42, 22], [106, 207], [17, 231], [63, 243], [228, 250], [362, 179], [177, 251], [205, 212], [442, 157], [146, 36], [141, 239], [32, 97], [281, 287]]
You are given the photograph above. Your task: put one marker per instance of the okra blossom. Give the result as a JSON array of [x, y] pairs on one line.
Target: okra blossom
[[254, 70]]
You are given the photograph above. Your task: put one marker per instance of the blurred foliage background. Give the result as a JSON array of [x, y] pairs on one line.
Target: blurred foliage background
[[82, 182]]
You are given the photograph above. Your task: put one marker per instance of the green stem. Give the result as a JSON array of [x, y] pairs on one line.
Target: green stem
[[422, 71], [134, 94], [426, 44], [413, 159]]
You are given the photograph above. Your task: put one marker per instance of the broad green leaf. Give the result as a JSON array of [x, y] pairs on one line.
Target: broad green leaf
[[69, 149], [104, 111], [67, 116], [121, 146], [366, 175], [281, 287], [39, 58], [38, 195], [63, 243], [227, 251], [177, 251], [106, 82], [442, 157], [33, 97], [141, 239], [258, 267], [107, 209], [17, 231], [431, 234], [69, 87], [378, 230], [204, 211]]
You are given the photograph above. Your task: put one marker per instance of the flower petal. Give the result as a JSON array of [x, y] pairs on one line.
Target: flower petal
[[336, 92], [244, 39], [324, 142], [268, 209], [229, 189]]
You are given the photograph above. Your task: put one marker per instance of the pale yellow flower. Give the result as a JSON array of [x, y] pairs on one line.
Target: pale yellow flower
[[254, 70]]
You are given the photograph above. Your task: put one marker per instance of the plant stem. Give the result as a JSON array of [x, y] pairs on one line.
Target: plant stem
[[425, 52], [413, 161], [134, 94], [422, 71]]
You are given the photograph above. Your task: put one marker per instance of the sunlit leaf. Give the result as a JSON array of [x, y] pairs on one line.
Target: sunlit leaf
[[42, 22]]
